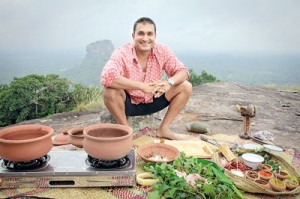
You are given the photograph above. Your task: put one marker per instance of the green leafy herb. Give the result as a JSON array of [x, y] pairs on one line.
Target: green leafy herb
[[217, 185], [268, 160]]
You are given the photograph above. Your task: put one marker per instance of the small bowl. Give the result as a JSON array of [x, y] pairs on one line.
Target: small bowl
[[251, 175], [76, 137], [265, 175], [281, 175], [277, 185], [263, 183], [291, 184], [252, 160], [156, 152], [265, 167]]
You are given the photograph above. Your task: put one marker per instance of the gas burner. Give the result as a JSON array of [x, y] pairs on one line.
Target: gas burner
[[107, 164], [29, 165]]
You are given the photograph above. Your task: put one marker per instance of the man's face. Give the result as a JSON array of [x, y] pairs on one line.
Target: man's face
[[144, 37]]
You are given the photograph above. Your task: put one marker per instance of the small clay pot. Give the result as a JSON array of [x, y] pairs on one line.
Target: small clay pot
[[108, 141], [277, 185], [251, 175], [61, 139], [262, 183], [291, 184], [281, 175], [265, 167], [76, 137], [25, 142], [265, 175]]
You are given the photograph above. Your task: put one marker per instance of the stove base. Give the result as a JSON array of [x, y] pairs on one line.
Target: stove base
[[69, 181]]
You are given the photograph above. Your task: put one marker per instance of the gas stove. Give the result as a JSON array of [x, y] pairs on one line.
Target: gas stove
[[69, 169]]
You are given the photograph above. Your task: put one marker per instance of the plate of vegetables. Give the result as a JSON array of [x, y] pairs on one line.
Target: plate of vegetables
[[158, 152]]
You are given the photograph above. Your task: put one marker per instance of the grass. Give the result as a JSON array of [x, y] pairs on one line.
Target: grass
[[288, 88], [89, 98]]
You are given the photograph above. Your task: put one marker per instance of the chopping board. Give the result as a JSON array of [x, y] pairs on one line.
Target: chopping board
[[197, 148]]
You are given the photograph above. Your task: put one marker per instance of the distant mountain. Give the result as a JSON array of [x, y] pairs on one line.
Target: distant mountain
[[89, 71], [74, 66], [248, 68], [22, 64]]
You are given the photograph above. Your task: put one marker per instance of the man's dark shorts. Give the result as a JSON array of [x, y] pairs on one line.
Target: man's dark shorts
[[145, 109]]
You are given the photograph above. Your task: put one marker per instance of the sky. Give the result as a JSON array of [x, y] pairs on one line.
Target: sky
[[184, 25]]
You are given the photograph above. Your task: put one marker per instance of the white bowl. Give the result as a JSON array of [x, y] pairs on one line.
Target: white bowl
[[251, 146], [272, 148], [252, 160]]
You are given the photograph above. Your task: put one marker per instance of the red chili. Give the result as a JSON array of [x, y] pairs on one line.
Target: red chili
[[237, 165]]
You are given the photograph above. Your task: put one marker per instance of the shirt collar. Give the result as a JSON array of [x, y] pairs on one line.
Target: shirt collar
[[134, 56]]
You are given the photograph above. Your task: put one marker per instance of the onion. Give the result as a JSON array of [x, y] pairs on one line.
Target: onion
[[237, 172]]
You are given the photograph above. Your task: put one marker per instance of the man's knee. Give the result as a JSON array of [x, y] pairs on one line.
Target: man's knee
[[110, 94], [187, 87]]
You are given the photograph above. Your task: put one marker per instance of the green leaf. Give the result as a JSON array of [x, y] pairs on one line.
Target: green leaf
[[154, 195]]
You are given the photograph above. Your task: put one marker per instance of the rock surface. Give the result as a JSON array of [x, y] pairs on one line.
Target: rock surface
[[214, 105]]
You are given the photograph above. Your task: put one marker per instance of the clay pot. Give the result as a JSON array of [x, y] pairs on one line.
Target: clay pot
[[25, 142], [108, 141], [262, 183], [265, 175], [265, 167], [251, 175], [76, 137], [281, 175], [277, 185], [291, 184]]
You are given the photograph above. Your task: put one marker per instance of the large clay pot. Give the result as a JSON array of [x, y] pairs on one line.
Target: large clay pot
[[108, 141], [25, 142]]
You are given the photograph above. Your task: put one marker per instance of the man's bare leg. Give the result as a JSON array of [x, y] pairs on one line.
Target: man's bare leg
[[178, 97], [114, 100]]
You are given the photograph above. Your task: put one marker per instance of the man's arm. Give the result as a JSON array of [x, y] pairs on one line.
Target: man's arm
[[179, 77], [124, 83]]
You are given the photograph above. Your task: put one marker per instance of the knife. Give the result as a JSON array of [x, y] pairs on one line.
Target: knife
[[215, 142]]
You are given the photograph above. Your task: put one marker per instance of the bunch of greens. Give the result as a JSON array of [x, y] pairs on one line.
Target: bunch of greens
[[217, 185], [273, 163]]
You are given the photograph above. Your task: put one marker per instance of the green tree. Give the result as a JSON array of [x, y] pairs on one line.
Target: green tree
[[34, 96], [203, 78]]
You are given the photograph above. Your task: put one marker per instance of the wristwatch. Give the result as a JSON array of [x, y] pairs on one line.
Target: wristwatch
[[171, 81]]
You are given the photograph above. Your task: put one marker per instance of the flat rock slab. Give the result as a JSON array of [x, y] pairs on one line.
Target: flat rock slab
[[213, 105]]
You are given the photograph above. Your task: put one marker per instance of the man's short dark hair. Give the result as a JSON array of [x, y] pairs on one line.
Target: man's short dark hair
[[144, 20]]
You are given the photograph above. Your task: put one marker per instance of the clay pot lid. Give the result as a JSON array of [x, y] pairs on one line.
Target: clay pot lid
[[61, 139]]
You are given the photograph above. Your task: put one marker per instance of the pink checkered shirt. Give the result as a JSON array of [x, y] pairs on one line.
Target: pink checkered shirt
[[123, 61]]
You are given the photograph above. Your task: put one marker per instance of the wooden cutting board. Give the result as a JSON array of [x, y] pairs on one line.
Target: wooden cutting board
[[197, 148]]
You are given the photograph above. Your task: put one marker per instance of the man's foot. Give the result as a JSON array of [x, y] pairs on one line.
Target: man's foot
[[166, 133]]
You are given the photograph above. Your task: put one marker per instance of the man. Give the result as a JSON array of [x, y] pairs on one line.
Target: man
[[132, 79]]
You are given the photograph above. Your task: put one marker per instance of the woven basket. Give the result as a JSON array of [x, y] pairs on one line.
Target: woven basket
[[249, 186]]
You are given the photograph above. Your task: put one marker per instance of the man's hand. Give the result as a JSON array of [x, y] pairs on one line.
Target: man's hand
[[160, 87]]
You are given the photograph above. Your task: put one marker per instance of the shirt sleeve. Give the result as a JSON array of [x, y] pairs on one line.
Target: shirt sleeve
[[172, 64], [112, 69]]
